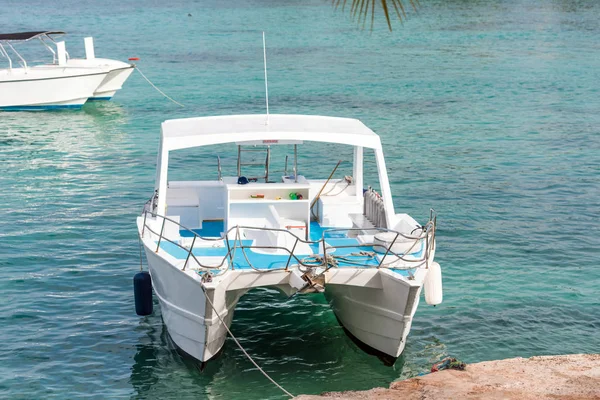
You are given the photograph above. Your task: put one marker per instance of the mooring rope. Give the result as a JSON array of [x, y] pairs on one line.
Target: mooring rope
[[157, 89], [240, 346]]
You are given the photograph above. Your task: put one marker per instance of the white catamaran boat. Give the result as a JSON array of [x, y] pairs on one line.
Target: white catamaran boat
[[208, 242], [44, 86]]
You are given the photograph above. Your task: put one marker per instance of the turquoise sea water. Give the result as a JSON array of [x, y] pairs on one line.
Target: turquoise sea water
[[489, 112]]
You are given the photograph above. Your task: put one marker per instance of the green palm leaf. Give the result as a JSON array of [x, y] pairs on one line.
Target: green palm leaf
[[360, 9]]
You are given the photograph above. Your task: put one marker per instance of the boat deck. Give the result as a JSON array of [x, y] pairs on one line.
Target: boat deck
[[347, 251]]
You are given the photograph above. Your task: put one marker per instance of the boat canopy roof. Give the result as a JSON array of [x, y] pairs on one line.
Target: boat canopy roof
[[24, 36], [280, 128]]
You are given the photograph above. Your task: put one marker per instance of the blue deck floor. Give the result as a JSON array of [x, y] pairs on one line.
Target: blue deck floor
[[345, 256], [209, 229]]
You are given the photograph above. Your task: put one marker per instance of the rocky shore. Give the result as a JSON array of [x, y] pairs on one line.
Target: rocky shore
[[570, 377]]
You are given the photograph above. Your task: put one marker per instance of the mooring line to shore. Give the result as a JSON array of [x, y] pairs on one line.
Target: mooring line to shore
[[240, 346], [157, 89]]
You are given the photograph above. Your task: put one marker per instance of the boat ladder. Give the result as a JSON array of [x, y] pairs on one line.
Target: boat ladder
[[254, 162]]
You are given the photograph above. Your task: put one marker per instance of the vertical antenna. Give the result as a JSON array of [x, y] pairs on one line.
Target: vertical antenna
[[266, 84]]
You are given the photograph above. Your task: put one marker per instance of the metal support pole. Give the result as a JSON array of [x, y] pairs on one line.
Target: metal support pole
[[189, 253], [144, 226], [291, 254], [296, 163], [387, 250], [267, 162], [161, 234], [229, 250], [219, 167]]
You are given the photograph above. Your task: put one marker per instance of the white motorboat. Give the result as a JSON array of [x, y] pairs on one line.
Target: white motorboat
[[44, 86], [208, 242], [118, 73]]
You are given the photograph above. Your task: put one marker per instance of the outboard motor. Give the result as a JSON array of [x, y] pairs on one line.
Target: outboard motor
[[142, 291]]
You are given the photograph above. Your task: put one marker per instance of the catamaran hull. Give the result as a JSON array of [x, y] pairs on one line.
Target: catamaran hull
[[379, 312], [69, 91], [114, 81], [190, 319], [118, 72], [184, 310]]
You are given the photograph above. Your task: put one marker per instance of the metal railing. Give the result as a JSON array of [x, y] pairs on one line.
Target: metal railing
[[326, 261]]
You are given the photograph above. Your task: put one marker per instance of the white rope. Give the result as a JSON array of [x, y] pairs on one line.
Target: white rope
[[157, 89], [240, 346]]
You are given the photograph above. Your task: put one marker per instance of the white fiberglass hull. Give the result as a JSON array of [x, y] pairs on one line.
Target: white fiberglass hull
[[185, 310], [48, 87], [119, 72], [189, 317], [376, 309], [114, 81]]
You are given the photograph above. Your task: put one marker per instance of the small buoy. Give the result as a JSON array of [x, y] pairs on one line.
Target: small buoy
[[433, 285], [134, 59], [142, 291]]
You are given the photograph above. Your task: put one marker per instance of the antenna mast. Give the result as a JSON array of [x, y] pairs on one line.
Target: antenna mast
[[266, 84]]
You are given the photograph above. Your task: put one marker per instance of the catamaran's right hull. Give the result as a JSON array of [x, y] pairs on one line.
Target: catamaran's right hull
[[375, 306], [37, 89]]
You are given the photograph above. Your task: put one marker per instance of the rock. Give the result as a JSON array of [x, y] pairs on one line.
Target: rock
[[570, 377]]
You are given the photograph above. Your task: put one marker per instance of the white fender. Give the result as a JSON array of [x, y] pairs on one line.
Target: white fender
[[433, 285]]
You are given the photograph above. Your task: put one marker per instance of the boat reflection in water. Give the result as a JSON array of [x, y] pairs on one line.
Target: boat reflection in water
[[297, 340]]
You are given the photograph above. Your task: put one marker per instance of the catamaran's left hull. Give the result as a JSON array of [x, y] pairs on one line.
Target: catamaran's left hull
[[187, 315], [190, 319]]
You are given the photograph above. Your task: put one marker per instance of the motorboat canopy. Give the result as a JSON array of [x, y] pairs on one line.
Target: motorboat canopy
[[25, 36], [269, 130], [194, 132]]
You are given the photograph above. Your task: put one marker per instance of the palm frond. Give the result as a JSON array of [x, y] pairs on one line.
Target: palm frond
[[360, 9]]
